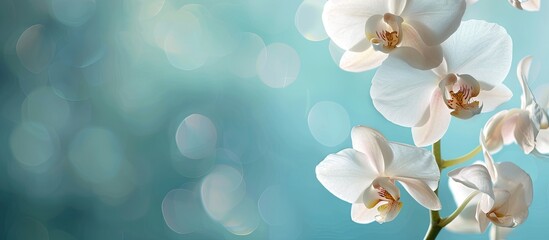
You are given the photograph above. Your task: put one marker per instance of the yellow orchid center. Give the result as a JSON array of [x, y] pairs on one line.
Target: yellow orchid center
[[459, 92], [384, 32]]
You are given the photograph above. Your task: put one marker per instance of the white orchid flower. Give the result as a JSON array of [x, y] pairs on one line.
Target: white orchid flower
[[471, 2], [366, 176], [528, 5], [371, 30], [505, 194], [527, 126], [477, 59]]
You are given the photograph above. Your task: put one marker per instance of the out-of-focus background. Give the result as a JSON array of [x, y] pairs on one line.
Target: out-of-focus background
[[175, 119]]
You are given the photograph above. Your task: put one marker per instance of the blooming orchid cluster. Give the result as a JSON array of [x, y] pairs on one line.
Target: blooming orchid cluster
[[432, 67]]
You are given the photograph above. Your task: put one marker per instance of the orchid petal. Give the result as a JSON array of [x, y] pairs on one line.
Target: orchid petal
[[465, 222], [344, 20], [524, 132], [373, 144], [461, 192], [471, 2], [413, 162], [490, 166], [346, 174], [362, 61], [414, 51], [508, 125], [523, 70], [482, 220], [491, 99], [361, 46], [492, 134], [434, 20], [396, 6], [542, 142], [499, 233], [529, 5], [421, 192], [480, 49], [388, 212], [401, 93], [476, 177], [361, 214], [510, 176], [437, 124]]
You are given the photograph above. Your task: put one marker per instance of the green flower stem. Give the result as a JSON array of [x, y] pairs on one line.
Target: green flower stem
[[434, 227], [462, 159], [449, 219]]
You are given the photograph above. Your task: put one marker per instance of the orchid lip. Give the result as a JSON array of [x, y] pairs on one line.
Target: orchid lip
[[460, 92], [384, 32]]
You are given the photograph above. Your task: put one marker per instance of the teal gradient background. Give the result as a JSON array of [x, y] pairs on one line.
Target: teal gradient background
[[89, 119]]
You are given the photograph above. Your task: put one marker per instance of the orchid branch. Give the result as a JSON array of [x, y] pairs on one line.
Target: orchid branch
[[462, 159], [449, 219]]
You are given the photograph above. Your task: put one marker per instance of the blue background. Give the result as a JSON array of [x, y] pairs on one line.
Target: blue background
[[89, 118]]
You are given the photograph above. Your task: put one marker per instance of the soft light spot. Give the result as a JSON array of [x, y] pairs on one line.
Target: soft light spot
[[184, 41], [181, 211], [115, 191], [33, 144], [329, 123], [144, 9], [308, 20], [73, 13], [243, 219], [196, 137], [242, 62], [96, 155], [222, 190], [84, 48], [275, 208], [278, 65], [35, 48]]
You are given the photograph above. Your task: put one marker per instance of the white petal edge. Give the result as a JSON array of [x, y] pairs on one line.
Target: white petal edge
[[523, 70], [542, 142], [363, 215], [401, 93], [344, 20], [476, 177], [415, 52], [346, 174], [481, 49], [491, 99], [437, 124], [499, 233], [373, 144], [491, 135], [434, 20], [362, 61], [421, 192], [413, 162]]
